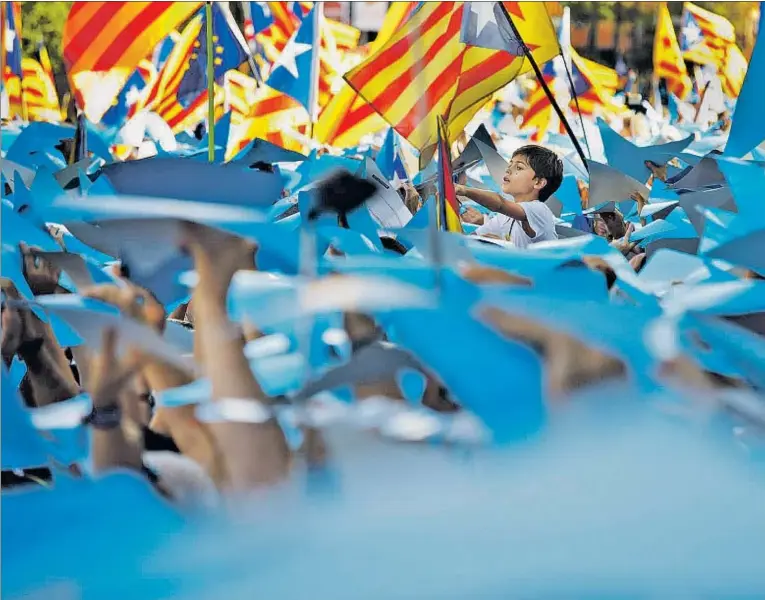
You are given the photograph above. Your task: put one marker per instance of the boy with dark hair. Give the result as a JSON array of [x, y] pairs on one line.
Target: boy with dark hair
[[533, 175]]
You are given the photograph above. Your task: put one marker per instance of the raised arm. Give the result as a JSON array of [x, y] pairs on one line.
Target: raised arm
[[493, 202]]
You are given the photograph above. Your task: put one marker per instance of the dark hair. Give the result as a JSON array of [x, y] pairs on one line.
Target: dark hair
[[263, 166], [546, 165]]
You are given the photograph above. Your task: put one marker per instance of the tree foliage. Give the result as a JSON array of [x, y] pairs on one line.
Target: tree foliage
[[644, 13], [44, 21]]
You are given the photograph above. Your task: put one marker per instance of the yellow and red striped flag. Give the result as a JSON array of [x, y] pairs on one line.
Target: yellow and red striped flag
[[595, 85], [448, 213], [241, 94], [272, 117], [10, 56], [425, 71], [668, 60], [39, 92], [733, 71], [163, 96], [274, 38], [103, 42], [348, 117]]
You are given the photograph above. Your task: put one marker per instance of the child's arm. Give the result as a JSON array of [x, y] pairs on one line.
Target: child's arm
[[493, 202]]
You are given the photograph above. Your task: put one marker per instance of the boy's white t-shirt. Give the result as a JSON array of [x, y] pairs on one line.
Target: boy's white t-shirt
[[540, 218]]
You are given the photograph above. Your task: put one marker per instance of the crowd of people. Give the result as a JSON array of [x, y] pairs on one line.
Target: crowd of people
[[220, 348]]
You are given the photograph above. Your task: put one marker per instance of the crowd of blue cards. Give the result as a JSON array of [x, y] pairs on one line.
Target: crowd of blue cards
[[635, 486]]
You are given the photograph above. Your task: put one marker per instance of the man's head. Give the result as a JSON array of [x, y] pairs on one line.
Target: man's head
[[534, 173]]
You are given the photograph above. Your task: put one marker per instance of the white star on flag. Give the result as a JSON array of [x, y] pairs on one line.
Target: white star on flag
[[289, 55], [10, 37], [692, 33], [484, 12], [265, 8]]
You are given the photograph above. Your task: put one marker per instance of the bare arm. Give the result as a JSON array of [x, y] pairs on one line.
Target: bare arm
[[255, 453], [112, 445], [192, 437], [493, 202]]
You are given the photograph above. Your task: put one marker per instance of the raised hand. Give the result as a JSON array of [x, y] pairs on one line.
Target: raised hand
[[41, 274], [624, 245], [657, 171], [472, 216]]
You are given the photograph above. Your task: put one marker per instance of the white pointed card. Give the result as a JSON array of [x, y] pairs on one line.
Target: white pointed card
[[611, 185]]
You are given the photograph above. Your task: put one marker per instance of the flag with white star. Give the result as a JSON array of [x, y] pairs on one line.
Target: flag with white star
[[485, 25], [293, 71], [230, 51], [11, 39]]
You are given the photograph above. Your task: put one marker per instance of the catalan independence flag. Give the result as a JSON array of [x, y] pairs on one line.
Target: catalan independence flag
[[283, 24], [10, 46], [39, 92], [271, 117], [241, 93], [348, 117], [448, 214], [668, 62], [424, 70], [113, 37], [704, 35]]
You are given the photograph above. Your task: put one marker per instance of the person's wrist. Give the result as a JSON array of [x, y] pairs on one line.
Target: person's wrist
[[104, 416]]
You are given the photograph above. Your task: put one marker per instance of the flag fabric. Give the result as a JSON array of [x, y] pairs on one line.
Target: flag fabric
[[274, 38], [103, 42], [484, 25], [272, 116], [163, 96], [733, 71], [448, 214], [348, 117], [241, 92], [42, 56], [169, 80], [229, 48], [704, 35], [10, 40], [293, 73], [593, 84], [258, 18], [132, 96], [39, 90], [163, 49], [668, 59], [424, 70]]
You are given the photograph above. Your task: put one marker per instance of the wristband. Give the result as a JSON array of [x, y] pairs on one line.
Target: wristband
[[234, 410], [104, 417]]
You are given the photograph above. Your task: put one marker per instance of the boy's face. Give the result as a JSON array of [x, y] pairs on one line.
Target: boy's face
[[520, 179]]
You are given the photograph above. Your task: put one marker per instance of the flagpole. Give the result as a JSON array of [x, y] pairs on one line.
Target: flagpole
[[313, 91], [210, 82], [545, 87]]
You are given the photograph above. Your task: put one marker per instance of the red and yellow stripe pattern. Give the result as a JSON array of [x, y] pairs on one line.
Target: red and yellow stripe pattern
[[348, 117], [39, 91], [667, 58], [103, 42], [448, 214], [241, 94], [271, 117], [163, 97], [100, 36], [717, 33], [424, 71]]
